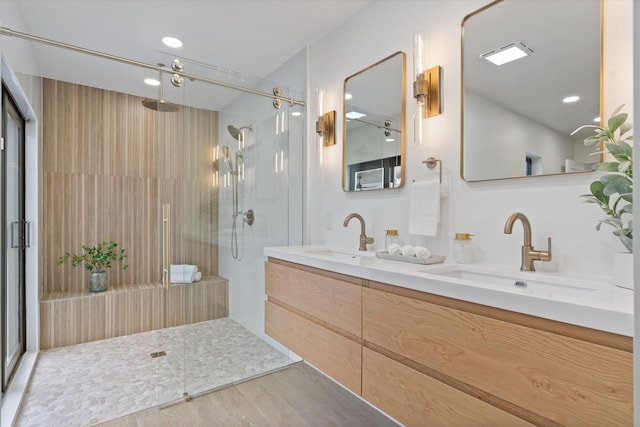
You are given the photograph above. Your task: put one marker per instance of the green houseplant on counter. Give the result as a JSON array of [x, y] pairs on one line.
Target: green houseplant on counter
[[97, 259], [612, 191]]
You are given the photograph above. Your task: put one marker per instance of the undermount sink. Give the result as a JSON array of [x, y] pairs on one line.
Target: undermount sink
[[531, 283], [344, 256]]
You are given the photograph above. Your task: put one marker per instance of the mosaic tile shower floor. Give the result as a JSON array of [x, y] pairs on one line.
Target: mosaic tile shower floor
[[85, 384]]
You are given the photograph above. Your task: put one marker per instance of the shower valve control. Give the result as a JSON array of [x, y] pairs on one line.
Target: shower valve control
[[248, 217]]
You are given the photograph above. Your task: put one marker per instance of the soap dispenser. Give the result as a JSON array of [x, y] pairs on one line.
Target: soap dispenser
[[462, 248]]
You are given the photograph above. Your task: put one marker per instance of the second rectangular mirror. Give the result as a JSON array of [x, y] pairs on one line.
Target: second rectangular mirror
[[514, 121], [374, 126]]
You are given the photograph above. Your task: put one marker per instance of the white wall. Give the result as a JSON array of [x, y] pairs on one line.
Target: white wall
[[514, 137], [552, 203]]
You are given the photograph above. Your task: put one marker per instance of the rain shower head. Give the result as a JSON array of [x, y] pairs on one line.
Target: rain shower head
[[235, 132], [160, 105]]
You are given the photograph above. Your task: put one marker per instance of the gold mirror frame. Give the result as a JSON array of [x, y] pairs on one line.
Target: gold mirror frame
[[466, 176], [372, 84]]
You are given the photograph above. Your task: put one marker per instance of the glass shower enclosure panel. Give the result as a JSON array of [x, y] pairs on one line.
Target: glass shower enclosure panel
[[223, 157]]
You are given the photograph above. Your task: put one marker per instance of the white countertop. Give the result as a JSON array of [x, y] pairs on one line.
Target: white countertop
[[603, 306]]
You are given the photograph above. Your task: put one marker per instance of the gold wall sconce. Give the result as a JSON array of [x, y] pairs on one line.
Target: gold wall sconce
[[325, 125], [426, 87], [426, 90]]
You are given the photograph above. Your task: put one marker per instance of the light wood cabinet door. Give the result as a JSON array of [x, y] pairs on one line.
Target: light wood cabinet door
[[333, 354], [416, 399], [565, 380], [332, 298]]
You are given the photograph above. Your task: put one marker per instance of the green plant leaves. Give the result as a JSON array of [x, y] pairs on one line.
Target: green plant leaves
[[615, 122], [613, 192], [616, 183], [97, 257]]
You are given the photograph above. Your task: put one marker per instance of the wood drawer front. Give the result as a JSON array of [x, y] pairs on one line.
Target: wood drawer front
[[334, 301], [416, 399], [568, 381], [333, 354]]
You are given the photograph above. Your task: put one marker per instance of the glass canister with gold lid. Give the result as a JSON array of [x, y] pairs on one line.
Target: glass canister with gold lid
[[462, 248]]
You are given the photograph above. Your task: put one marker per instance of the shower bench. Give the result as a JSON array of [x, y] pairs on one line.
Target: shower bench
[[76, 317]]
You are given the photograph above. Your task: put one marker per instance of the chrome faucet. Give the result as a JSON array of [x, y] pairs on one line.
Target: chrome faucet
[[364, 240], [529, 254]]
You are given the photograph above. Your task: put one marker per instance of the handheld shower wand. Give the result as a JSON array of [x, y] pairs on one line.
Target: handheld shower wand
[[227, 155], [235, 173]]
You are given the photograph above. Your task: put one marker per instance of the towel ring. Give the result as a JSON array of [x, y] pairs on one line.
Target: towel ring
[[431, 163]]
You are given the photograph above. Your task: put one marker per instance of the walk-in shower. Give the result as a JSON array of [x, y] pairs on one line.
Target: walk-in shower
[[129, 162], [236, 172]]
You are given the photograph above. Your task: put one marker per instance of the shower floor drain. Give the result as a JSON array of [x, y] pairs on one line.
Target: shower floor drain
[[158, 353]]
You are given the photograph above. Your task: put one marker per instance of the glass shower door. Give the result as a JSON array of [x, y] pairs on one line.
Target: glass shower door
[[225, 175]]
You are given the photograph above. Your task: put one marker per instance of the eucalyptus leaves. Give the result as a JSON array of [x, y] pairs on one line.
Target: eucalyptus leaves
[[613, 192], [97, 258]]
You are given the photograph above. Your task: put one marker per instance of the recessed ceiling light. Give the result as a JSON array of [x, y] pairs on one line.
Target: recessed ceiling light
[[508, 53], [597, 119], [354, 115], [570, 99], [152, 82], [172, 41], [348, 96]]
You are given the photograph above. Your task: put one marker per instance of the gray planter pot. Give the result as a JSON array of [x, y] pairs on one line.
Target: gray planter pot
[[98, 281]]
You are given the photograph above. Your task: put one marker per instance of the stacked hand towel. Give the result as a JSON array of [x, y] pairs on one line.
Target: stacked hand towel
[[422, 252], [184, 273], [410, 251], [395, 249]]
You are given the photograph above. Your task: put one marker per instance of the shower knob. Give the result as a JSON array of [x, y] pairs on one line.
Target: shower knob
[[249, 217]]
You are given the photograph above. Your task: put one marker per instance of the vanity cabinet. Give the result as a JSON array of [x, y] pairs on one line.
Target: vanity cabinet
[[426, 359], [317, 314], [416, 399], [544, 372]]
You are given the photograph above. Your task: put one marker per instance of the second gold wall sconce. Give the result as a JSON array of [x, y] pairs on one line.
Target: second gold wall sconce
[[426, 87], [325, 125], [426, 90]]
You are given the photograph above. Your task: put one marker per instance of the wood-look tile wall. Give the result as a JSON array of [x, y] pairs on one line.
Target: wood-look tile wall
[[88, 317], [108, 166]]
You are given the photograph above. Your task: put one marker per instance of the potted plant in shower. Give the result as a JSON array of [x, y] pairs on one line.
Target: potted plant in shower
[[613, 191], [97, 259]]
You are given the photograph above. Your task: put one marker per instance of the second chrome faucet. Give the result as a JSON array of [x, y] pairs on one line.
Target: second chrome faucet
[[529, 254], [364, 240]]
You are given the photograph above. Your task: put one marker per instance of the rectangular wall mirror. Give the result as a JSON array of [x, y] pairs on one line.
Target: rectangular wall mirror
[[514, 121], [374, 126]]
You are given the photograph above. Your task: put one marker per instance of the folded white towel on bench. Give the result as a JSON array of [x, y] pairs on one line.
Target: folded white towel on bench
[[184, 273]]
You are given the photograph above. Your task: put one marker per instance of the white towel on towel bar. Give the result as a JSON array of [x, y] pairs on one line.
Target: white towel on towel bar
[[183, 273], [424, 208]]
